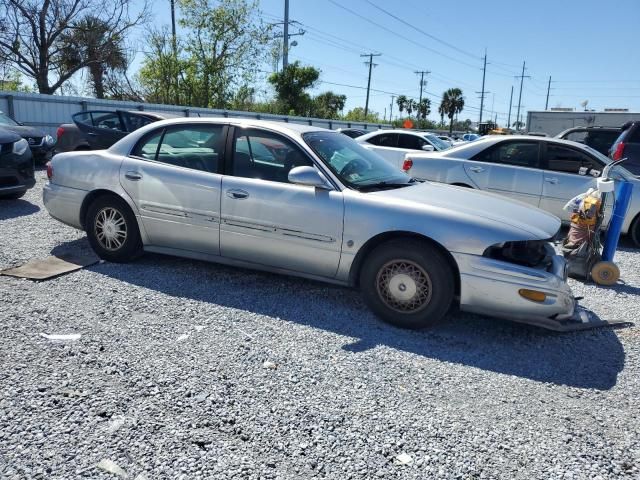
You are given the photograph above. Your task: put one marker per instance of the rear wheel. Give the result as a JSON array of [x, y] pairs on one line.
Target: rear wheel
[[634, 231], [407, 283], [112, 229]]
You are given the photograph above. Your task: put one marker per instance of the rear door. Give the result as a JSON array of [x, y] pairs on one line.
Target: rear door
[[567, 172], [173, 176], [386, 145], [510, 168], [101, 128], [133, 121]]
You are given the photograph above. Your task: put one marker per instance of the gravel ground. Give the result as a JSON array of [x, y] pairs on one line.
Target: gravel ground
[[191, 370]]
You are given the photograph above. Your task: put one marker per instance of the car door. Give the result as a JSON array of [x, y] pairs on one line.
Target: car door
[[101, 128], [173, 176], [386, 145], [269, 221], [133, 121], [509, 168], [567, 172]]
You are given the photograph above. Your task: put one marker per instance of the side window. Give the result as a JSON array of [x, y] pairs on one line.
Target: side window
[[134, 121], [264, 155], [148, 146], [107, 120], [634, 134], [521, 154], [410, 142], [576, 136], [568, 160], [384, 140], [198, 147]]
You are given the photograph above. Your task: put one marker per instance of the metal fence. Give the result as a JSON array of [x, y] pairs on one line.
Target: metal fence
[[49, 111]]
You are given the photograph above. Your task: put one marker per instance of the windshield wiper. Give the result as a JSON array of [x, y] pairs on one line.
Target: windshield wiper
[[386, 185]]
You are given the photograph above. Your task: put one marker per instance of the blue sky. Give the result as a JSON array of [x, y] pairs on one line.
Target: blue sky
[[589, 47]]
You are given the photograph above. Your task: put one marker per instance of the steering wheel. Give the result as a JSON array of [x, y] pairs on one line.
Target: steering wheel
[[354, 166]]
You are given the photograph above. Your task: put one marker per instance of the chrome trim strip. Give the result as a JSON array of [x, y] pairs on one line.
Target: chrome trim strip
[[282, 231]]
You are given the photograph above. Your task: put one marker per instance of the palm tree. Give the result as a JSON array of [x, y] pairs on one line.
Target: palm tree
[[424, 108], [401, 101], [411, 106], [91, 40], [452, 104], [442, 110]]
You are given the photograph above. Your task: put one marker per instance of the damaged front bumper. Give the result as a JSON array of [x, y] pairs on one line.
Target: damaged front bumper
[[532, 295]]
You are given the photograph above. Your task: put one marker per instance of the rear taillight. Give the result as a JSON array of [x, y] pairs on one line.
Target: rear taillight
[[619, 151], [408, 163], [49, 170], [59, 132]]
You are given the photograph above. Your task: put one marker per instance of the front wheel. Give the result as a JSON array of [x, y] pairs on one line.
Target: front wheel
[[634, 231], [407, 283], [112, 230]]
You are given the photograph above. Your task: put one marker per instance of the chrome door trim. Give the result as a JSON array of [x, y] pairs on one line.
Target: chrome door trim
[[279, 230]]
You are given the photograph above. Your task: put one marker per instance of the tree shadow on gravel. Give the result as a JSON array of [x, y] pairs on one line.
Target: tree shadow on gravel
[[16, 208], [585, 359]]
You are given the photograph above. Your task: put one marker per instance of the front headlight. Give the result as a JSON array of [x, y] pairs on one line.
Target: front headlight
[[49, 141], [20, 146]]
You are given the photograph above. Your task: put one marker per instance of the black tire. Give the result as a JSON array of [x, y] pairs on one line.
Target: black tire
[[426, 270], [13, 196], [110, 216], [634, 232]]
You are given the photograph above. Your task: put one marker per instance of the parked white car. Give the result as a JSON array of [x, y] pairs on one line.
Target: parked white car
[[543, 172], [393, 145], [451, 141]]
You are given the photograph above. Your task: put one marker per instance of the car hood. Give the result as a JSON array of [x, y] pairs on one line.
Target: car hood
[[24, 130], [477, 204]]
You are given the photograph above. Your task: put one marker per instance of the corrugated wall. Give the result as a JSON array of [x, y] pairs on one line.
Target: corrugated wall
[[49, 111]]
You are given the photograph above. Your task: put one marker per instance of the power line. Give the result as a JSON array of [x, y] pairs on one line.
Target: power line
[[371, 65]]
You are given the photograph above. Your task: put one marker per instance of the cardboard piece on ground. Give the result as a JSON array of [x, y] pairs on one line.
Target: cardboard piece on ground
[[50, 267]]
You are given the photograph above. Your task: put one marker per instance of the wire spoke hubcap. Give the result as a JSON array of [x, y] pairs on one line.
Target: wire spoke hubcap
[[110, 229], [404, 286]]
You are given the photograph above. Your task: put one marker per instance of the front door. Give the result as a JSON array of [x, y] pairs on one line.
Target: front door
[[510, 168], [269, 221], [173, 177]]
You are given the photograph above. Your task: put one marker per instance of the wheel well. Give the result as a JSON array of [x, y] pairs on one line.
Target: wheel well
[[91, 197], [367, 248]]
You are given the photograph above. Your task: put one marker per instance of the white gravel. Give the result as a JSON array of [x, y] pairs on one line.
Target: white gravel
[[192, 370]]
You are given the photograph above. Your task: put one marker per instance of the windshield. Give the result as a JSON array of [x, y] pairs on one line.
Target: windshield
[[436, 142], [6, 120], [354, 165]]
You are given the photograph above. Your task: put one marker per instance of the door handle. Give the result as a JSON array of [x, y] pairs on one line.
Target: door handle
[[133, 175], [551, 180], [92, 134], [237, 194], [476, 169]]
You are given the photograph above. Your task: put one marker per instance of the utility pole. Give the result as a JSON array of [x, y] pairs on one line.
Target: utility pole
[[371, 65], [422, 73], [546, 105], [174, 46], [484, 73], [285, 40], [521, 77], [510, 103], [393, 97]]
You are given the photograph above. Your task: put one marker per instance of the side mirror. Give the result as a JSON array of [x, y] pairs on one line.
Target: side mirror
[[428, 148], [308, 176]]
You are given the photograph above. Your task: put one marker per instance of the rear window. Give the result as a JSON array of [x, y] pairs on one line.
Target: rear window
[[634, 133]]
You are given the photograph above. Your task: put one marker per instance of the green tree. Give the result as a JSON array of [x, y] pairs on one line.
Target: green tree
[[32, 34], [160, 68], [327, 105], [518, 124], [357, 115], [452, 103], [410, 106], [291, 84], [10, 81], [88, 43]]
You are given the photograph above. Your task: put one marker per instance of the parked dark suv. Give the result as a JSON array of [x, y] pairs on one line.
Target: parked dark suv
[[16, 165], [598, 138], [628, 145]]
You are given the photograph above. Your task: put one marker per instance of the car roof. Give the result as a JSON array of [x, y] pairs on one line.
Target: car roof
[[419, 133], [245, 122]]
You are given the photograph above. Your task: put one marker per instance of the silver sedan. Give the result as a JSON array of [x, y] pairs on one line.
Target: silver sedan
[[543, 172], [314, 203]]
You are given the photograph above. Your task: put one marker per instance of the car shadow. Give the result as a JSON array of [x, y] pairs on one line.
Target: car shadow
[[16, 208], [583, 359]]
